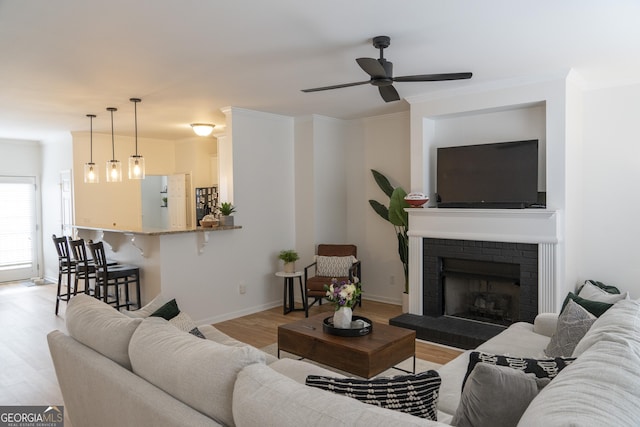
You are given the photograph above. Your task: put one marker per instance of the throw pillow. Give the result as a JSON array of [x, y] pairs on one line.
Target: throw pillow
[[541, 368], [334, 266], [182, 321], [414, 394], [607, 288], [146, 311], [596, 308], [593, 292], [573, 324], [496, 396]]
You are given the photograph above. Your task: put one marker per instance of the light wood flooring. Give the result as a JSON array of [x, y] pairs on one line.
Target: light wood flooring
[[27, 376]]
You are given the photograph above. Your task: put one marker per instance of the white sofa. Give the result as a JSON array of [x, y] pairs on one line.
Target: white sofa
[[114, 370]]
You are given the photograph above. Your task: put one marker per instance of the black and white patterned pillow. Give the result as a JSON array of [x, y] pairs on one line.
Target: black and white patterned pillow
[[414, 394], [541, 368], [334, 266], [177, 318]]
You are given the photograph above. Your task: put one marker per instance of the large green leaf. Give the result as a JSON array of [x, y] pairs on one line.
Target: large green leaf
[[397, 215], [382, 182], [380, 209]]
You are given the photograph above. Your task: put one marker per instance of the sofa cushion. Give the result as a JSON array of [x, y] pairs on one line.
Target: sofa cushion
[[334, 266], [496, 396], [414, 394], [200, 373], [541, 368], [573, 324], [590, 291], [263, 397], [620, 324], [101, 327]]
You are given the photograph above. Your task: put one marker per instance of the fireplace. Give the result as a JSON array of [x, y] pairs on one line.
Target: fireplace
[[492, 282]]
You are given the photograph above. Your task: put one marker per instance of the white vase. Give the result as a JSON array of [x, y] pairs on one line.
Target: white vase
[[342, 318]]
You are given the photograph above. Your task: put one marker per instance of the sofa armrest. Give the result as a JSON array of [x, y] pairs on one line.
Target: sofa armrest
[[545, 324]]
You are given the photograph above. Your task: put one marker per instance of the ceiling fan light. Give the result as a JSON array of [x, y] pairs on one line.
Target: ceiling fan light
[[202, 129]]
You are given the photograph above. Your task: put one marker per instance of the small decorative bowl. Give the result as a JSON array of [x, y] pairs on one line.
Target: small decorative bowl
[[416, 200], [209, 223]]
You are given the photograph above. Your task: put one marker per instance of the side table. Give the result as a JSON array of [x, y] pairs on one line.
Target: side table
[[288, 303]]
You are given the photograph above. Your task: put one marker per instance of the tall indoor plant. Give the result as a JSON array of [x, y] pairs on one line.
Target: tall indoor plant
[[397, 216]]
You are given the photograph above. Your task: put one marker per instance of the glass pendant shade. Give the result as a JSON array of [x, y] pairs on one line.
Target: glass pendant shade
[[91, 173], [136, 161], [136, 167], [114, 171], [114, 168]]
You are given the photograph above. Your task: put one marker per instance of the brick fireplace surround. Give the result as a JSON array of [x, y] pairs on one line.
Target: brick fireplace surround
[[507, 228]]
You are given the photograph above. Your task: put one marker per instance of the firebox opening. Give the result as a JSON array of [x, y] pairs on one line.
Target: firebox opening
[[481, 290]]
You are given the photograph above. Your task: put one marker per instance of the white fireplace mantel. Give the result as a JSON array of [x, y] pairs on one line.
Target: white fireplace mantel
[[537, 226]]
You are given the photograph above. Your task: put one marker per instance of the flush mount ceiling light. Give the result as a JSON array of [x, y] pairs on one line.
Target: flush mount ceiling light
[[136, 162], [91, 175], [114, 168], [202, 129]]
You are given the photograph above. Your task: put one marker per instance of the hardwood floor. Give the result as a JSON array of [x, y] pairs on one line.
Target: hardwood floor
[[27, 376], [261, 329]]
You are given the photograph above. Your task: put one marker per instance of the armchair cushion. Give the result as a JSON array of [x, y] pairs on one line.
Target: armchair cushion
[[334, 266]]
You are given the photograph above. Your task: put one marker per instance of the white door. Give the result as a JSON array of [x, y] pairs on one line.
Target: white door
[[18, 238], [177, 201]]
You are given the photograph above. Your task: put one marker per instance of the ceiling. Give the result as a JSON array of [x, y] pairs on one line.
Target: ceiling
[[187, 59]]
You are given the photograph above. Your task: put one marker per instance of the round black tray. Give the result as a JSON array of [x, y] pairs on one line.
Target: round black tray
[[327, 326]]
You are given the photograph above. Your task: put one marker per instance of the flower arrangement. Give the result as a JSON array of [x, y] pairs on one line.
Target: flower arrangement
[[342, 294]]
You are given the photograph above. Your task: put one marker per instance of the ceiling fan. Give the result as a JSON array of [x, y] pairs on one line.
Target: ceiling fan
[[381, 72]]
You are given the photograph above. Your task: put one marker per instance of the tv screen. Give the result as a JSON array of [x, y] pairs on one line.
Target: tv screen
[[500, 175]]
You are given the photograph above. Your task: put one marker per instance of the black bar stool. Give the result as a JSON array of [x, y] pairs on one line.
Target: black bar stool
[[85, 270], [119, 275], [66, 266]]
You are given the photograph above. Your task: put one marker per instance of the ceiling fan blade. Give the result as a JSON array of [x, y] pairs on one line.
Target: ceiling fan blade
[[372, 67], [388, 93], [433, 77], [316, 89]]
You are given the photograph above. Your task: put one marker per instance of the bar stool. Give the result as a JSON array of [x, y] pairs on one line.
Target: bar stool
[[119, 275], [85, 270], [66, 266]]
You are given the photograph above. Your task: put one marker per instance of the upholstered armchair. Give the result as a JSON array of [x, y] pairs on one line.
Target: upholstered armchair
[[331, 261]]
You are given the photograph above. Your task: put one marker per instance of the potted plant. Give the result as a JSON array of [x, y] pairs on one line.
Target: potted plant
[[226, 209], [289, 257], [399, 218]]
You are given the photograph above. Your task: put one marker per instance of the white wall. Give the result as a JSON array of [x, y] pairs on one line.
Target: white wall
[[611, 173]]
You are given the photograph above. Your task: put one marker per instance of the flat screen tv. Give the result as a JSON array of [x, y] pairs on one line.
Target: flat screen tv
[[500, 175]]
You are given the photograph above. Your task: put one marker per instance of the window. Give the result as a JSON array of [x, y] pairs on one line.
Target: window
[[17, 228]]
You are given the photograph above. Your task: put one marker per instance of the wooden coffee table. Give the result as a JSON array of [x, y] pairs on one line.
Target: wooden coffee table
[[364, 356]]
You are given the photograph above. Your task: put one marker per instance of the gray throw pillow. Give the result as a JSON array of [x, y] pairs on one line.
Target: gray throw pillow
[[496, 396], [573, 324]]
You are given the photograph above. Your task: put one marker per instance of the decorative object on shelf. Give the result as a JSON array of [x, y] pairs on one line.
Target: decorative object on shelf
[[359, 326], [91, 175], [343, 295], [208, 221], [226, 209], [136, 162], [416, 200], [397, 216], [114, 168], [289, 256], [203, 129]]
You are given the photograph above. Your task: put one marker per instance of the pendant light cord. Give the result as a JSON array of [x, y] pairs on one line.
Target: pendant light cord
[[113, 147]]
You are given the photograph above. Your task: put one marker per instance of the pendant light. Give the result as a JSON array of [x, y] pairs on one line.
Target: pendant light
[[136, 162], [114, 168], [91, 175]]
